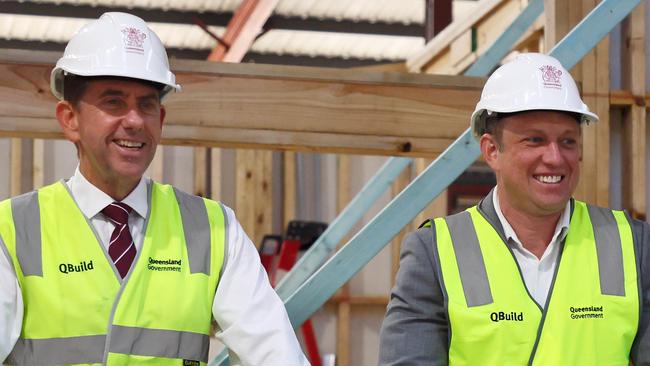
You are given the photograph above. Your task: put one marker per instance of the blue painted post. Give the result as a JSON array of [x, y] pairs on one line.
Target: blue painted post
[[341, 225], [401, 210]]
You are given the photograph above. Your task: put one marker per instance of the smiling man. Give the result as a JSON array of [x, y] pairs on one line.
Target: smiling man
[[529, 276], [112, 268]]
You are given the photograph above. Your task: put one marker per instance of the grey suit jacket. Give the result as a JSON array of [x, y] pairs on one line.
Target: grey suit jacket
[[415, 330]]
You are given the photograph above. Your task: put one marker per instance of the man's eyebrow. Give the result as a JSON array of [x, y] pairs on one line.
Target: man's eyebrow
[[112, 92], [153, 95], [119, 93]]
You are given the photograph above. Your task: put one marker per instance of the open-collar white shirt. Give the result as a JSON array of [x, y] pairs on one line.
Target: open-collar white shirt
[[252, 319], [537, 272]]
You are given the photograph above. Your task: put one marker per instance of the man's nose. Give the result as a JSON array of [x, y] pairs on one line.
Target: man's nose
[[552, 153], [133, 120]]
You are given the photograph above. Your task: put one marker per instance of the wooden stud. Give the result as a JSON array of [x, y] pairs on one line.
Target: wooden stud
[[603, 127], [289, 187], [343, 320], [585, 72], [200, 176], [343, 333], [263, 202], [245, 188], [215, 174], [38, 165], [157, 164], [557, 21], [16, 167], [343, 182], [634, 124]]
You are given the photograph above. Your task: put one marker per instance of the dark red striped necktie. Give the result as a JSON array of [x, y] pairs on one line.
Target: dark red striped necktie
[[121, 247]]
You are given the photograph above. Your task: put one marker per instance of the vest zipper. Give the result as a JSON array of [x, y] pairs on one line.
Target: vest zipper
[[548, 301], [125, 281]]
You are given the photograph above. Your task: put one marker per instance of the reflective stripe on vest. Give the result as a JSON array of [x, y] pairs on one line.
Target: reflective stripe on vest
[[201, 225], [593, 307]]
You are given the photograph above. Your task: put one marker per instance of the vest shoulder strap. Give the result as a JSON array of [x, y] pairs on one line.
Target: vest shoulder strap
[[469, 259]]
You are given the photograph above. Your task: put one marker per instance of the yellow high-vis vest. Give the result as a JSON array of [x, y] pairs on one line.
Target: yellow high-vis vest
[[592, 311], [76, 310]]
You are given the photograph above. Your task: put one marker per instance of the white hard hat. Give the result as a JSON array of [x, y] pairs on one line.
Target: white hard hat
[[532, 81], [116, 44]]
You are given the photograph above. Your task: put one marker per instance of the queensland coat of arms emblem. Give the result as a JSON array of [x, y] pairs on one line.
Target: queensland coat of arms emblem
[[133, 39], [551, 76]]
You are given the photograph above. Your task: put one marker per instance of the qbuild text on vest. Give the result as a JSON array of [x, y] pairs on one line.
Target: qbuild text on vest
[[512, 316], [81, 267]]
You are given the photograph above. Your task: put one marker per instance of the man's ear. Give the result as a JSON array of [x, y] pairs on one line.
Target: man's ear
[[67, 117], [489, 149], [163, 113]]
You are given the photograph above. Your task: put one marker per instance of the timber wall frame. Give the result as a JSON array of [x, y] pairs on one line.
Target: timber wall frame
[[271, 107]]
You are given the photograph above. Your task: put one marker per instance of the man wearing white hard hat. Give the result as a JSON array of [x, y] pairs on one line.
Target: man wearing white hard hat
[[529, 276], [112, 268]]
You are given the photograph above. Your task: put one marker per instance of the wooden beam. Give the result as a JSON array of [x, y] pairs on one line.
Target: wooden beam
[[245, 25], [271, 107], [367, 300], [625, 98]]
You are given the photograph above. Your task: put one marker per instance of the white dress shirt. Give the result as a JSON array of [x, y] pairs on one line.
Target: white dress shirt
[[252, 320], [538, 272]]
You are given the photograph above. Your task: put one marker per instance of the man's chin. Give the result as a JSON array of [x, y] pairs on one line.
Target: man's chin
[[552, 207], [128, 172]]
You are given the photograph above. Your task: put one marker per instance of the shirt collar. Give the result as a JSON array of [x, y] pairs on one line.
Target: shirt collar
[[92, 200], [561, 228]]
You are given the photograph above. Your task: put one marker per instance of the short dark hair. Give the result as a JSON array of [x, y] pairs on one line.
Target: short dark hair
[[74, 86]]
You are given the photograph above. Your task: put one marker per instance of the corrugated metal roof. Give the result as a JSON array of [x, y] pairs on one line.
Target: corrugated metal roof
[[275, 41], [391, 11]]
